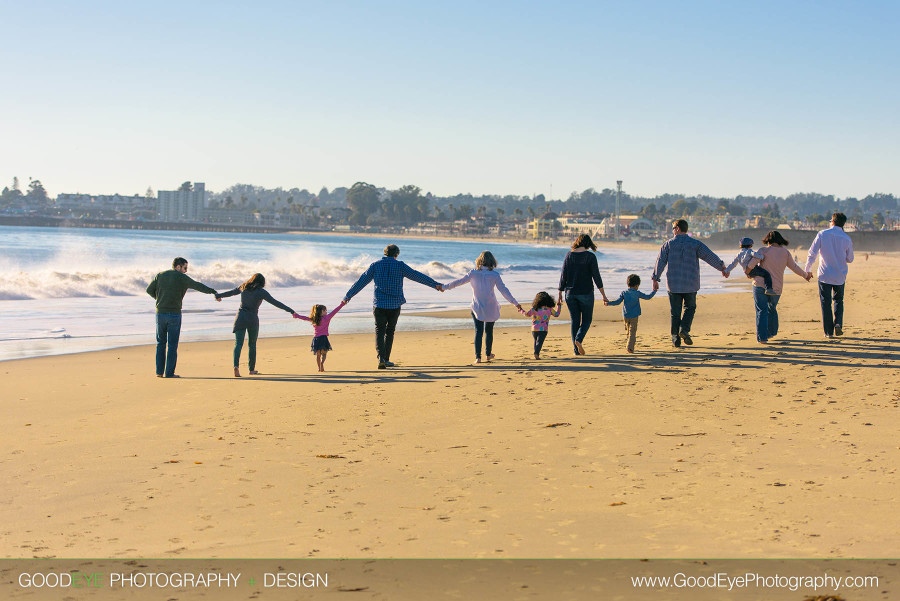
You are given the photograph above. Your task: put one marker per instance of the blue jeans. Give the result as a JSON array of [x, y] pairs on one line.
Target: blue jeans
[[168, 329], [581, 311], [766, 313], [831, 294], [682, 323], [253, 333], [483, 329]]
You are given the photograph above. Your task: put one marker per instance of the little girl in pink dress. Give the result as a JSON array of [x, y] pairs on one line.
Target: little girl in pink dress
[[320, 320]]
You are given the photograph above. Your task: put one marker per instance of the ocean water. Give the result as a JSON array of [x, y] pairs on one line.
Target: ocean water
[[75, 290]]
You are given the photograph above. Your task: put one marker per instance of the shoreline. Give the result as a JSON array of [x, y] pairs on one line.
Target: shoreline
[[98, 344]]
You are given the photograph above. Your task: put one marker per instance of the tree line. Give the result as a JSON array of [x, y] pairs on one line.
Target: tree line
[[373, 205]]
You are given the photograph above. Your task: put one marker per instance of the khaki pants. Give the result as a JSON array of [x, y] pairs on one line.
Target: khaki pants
[[631, 324]]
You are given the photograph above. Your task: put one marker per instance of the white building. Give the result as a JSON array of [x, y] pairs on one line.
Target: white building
[[181, 205], [110, 202]]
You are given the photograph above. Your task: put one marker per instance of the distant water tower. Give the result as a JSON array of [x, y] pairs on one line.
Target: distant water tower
[[618, 194]]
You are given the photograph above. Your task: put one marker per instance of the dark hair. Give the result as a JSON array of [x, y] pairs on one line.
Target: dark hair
[[584, 241], [315, 316], [633, 280], [255, 282], [775, 237], [839, 219], [543, 300], [178, 262], [391, 250], [486, 259], [682, 225]]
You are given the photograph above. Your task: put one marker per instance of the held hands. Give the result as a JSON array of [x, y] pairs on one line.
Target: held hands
[[808, 276], [295, 315], [218, 299], [655, 285], [440, 288], [725, 273]]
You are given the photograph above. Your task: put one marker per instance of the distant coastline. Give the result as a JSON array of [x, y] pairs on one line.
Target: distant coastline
[[125, 224], [879, 241]]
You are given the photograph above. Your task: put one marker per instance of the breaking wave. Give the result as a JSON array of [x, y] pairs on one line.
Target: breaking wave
[[51, 281]]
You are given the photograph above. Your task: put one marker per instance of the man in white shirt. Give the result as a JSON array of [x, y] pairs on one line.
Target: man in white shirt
[[835, 250]]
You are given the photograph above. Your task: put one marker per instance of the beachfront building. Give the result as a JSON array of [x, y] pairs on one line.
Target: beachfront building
[[579, 223], [108, 206], [545, 226], [181, 205], [629, 225]]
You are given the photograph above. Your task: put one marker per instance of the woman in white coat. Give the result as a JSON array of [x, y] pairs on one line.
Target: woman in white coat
[[485, 308]]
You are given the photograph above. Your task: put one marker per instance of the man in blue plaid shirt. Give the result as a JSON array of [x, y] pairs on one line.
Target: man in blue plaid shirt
[[388, 274], [682, 254]]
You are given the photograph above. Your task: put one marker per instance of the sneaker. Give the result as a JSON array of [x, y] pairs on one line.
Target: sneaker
[[687, 338], [381, 365], [676, 341], [838, 330], [771, 292], [579, 348]]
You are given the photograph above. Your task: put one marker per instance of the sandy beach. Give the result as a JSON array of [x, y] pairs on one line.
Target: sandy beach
[[723, 449]]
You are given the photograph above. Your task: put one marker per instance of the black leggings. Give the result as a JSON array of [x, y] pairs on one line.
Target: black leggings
[[538, 341], [483, 327]]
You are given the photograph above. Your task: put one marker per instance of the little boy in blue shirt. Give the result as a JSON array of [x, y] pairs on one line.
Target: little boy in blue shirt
[[631, 310]]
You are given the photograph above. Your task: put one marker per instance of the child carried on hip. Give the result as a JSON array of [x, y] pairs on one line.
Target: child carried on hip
[[744, 256]]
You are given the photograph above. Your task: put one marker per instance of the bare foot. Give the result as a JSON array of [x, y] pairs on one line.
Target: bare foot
[[536, 356], [580, 348], [254, 373], [237, 373], [321, 369], [490, 357], [630, 350], [477, 361]]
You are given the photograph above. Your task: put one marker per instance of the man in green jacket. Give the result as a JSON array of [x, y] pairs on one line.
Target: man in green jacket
[[168, 288]]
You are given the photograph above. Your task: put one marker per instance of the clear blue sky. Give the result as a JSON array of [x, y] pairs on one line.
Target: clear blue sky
[[718, 98]]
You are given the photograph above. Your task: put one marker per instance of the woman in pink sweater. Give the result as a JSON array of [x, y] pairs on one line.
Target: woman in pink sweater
[[776, 258]]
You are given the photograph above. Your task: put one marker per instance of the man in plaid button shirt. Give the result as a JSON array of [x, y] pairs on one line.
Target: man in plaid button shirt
[[682, 254], [388, 274]]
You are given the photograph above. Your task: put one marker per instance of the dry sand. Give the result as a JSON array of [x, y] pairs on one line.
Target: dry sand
[[723, 449]]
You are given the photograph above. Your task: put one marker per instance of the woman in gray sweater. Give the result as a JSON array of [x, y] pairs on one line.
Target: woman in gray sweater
[[246, 321]]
